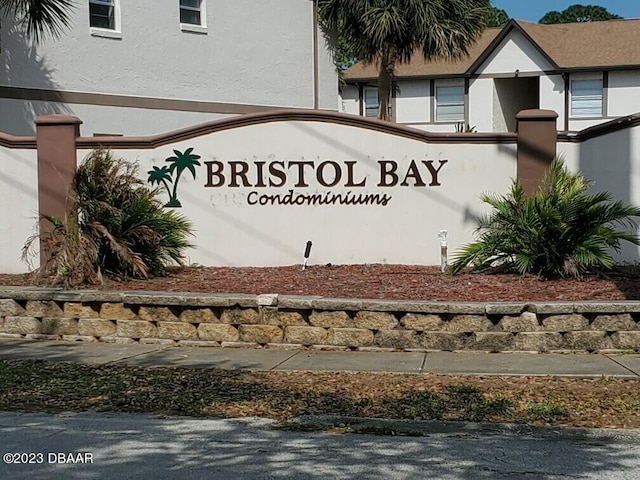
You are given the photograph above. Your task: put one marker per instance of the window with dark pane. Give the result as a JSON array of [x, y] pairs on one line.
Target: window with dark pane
[[586, 97], [190, 12], [449, 102], [101, 14], [371, 103]]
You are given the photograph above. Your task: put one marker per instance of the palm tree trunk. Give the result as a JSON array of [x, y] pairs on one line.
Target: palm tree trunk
[[166, 187], [385, 81], [174, 195]]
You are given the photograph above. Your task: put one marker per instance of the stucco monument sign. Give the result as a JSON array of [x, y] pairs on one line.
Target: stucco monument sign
[[361, 190], [258, 187]]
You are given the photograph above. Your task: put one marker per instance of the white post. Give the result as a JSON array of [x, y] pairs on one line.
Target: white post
[[442, 235]]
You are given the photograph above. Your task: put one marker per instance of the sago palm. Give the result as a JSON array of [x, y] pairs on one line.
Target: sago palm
[[39, 18], [560, 231], [388, 32]]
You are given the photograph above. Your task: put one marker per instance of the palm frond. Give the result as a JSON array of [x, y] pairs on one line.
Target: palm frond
[[116, 225], [562, 230], [41, 18]]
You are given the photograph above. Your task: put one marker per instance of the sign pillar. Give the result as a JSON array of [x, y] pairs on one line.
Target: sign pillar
[[56, 144], [537, 138]]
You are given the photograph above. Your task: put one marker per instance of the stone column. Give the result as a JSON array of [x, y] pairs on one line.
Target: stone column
[[56, 143], [537, 137]]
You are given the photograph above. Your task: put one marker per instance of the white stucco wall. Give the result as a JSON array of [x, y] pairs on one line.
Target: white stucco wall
[[232, 232], [258, 53], [16, 117], [624, 93], [435, 127], [576, 125], [498, 120], [413, 103], [19, 211], [611, 162], [481, 104], [350, 100], [327, 75], [552, 96], [514, 53]]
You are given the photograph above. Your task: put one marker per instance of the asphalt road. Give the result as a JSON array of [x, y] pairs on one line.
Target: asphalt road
[[136, 446]]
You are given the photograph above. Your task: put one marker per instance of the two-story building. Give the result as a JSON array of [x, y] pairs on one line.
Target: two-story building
[[588, 73], [144, 67]]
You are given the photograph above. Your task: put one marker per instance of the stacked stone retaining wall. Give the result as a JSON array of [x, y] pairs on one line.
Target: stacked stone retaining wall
[[235, 320]]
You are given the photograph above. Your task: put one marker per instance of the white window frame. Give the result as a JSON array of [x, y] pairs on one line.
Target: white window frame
[[373, 106], [574, 79], [191, 27], [448, 84], [114, 32]]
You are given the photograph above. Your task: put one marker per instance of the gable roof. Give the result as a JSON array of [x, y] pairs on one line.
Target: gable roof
[[504, 33], [567, 46]]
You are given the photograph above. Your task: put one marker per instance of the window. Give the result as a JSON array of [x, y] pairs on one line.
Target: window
[[102, 14], [449, 102], [191, 12], [586, 97], [371, 104]]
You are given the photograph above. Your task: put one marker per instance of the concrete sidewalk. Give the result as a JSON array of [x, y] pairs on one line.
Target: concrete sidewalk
[[518, 364]]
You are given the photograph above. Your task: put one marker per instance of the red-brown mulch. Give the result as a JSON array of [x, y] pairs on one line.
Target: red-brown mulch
[[396, 282]]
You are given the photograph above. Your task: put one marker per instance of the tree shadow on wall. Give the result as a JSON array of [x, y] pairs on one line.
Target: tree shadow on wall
[[26, 83], [608, 161]]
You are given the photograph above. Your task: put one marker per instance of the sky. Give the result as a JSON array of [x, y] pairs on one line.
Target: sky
[[534, 10]]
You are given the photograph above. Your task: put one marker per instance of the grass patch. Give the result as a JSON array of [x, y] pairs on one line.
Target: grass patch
[[474, 406], [44, 386], [546, 411]]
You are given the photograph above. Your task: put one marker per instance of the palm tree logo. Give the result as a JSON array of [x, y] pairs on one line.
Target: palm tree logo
[[164, 175]]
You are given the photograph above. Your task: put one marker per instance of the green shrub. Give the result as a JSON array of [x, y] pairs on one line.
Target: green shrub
[[115, 225], [472, 405], [547, 411], [560, 231]]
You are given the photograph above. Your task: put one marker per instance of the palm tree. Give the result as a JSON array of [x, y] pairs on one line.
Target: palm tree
[[180, 163], [388, 32], [115, 225], [39, 17], [161, 175]]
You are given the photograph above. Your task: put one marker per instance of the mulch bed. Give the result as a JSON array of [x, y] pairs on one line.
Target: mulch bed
[[394, 282]]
